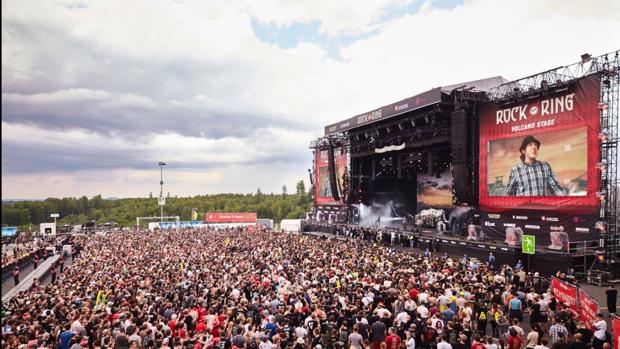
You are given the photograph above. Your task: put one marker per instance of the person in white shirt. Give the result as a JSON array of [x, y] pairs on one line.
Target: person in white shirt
[[490, 344], [423, 311], [300, 332], [543, 344], [443, 344], [402, 318], [423, 297], [600, 327], [411, 339]]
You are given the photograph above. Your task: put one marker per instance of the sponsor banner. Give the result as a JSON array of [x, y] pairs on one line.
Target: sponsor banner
[[553, 231], [588, 308], [565, 293], [323, 189], [9, 231], [406, 105], [615, 326], [230, 217], [540, 154]]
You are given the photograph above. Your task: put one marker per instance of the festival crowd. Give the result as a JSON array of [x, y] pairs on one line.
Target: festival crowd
[[236, 289], [21, 251]]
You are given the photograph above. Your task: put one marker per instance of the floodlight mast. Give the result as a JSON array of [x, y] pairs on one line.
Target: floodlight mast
[[161, 191]]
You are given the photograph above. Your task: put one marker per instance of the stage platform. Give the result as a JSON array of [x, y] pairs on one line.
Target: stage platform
[[544, 261]]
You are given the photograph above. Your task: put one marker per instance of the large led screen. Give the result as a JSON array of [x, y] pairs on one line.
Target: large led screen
[[541, 153]]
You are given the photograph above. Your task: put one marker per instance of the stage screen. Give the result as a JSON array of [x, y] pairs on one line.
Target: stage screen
[[435, 190], [562, 154], [323, 190], [541, 154]]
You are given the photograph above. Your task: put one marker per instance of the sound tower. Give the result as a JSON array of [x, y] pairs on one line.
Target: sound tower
[[331, 167], [459, 156]]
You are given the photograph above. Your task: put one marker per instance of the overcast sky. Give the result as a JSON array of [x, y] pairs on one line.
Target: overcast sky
[[230, 93]]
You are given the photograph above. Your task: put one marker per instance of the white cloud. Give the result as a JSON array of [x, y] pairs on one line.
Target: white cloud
[[189, 80]]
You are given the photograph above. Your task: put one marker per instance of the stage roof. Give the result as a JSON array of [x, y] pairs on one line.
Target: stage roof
[[421, 100]]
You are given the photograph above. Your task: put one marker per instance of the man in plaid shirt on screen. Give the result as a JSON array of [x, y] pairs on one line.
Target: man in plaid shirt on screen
[[532, 177]]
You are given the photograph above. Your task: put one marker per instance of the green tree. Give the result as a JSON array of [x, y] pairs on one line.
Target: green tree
[[124, 211]]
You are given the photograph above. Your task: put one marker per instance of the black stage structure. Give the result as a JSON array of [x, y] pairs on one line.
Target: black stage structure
[[387, 148], [390, 157]]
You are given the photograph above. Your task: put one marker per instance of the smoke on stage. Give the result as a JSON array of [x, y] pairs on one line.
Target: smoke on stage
[[379, 215]]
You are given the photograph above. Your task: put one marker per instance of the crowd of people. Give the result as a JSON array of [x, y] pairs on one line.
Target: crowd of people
[[23, 251], [234, 289], [383, 235]]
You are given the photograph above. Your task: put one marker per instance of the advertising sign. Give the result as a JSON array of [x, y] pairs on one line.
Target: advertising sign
[[588, 308], [554, 230], [528, 244], [406, 105], [541, 154], [181, 224], [615, 325], [230, 217], [323, 190], [9, 231], [565, 293]]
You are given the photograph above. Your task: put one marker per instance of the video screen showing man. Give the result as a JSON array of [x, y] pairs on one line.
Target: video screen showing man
[[531, 177]]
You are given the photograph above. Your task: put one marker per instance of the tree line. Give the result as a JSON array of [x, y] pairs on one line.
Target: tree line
[[124, 211]]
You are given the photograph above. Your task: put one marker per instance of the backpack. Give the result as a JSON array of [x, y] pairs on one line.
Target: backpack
[[482, 316]]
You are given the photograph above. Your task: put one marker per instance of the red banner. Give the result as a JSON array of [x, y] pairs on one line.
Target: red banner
[[230, 217], [322, 190], [541, 153], [615, 325], [588, 308], [565, 293]]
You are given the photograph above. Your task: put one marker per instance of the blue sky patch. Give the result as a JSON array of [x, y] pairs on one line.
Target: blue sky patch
[[295, 33]]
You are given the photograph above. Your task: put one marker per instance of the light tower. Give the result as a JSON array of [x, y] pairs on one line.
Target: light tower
[[162, 200]]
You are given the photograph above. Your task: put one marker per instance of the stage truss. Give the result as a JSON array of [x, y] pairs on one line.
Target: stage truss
[[607, 66]]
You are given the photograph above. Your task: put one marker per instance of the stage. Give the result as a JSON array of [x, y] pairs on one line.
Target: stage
[[547, 262]]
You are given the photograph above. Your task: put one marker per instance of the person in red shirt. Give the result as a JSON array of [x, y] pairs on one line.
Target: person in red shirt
[[477, 344], [201, 327], [180, 330], [392, 341], [413, 293], [514, 341], [172, 324], [215, 331]]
